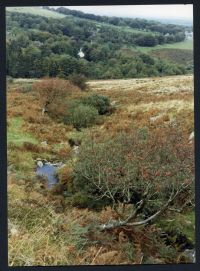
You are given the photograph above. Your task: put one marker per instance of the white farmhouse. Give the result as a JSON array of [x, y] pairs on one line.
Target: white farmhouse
[[188, 35], [81, 54]]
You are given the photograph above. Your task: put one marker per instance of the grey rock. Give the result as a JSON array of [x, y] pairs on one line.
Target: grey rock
[[190, 254], [191, 137], [40, 164], [44, 143], [153, 119]]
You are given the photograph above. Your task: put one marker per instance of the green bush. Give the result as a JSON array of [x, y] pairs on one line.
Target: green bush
[[79, 200], [81, 116], [82, 200], [100, 102], [78, 80]]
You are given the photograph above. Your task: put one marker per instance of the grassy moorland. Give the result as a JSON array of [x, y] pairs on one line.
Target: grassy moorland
[[54, 227], [186, 45], [36, 11]]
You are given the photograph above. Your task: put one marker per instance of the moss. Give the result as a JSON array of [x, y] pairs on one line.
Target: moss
[[181, 223]]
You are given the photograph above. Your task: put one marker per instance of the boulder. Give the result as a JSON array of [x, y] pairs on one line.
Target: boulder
[[44, 143], [39, 164], [113, 103], [191, 137], [14, 232], [190, 256], [153, 119]]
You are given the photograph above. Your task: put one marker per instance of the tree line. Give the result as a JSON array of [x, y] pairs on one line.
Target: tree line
[[38, 46], [136, 23]]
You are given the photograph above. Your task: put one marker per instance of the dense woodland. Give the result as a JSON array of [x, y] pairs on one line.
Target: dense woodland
[[38, 46]]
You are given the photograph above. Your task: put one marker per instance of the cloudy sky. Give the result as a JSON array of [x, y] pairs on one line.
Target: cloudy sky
[[141, 11]]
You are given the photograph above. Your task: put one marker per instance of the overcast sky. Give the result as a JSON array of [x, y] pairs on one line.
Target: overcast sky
[[141, 11]]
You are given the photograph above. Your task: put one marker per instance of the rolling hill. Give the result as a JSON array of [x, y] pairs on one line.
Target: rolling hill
[[48, 42], [36, 11]]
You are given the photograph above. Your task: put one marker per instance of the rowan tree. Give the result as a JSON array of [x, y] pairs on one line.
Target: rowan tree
[[53, 94], [141, 174]]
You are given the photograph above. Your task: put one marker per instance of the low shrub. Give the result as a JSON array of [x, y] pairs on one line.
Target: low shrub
[[78, 80], [121, 168], [65, 175], [81, 116], [82, 200], [79, 200], [53, 94], [100, 102], [64, 152], [28, 146]]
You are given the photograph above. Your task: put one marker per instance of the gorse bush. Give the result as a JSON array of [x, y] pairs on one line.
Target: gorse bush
[[84, 112], [81, 116], [100, 102], [78, 80]]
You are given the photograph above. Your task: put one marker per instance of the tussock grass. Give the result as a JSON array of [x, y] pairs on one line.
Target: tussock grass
[[22, 161], [163, 106], [40, 236], [37, 235]]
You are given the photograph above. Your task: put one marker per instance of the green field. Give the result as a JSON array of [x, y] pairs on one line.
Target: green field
[[181, 56], [122, 28], [36, 11], [16, 135], [115, 27], [187, 44]]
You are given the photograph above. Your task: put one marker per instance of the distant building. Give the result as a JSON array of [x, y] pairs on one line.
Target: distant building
[[188, 35], [81, 54]]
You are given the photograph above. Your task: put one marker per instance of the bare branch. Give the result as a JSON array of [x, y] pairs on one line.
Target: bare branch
[[116, 224]]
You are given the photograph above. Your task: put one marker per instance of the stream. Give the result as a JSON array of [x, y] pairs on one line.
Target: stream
[[48, 171]]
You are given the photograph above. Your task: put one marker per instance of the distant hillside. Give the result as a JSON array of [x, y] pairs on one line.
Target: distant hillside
[[162, 25], [182, 56], [183, 45], [36, 11], [40, 43], [185, 22]]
